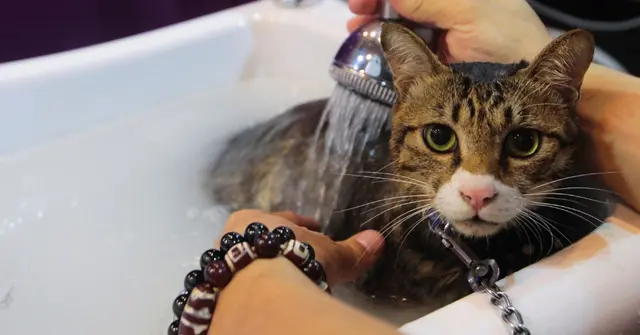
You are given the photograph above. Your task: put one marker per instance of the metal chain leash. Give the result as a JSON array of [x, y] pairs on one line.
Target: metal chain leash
[[482, 277]]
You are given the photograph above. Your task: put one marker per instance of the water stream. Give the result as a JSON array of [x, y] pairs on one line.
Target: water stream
[[348, 123]]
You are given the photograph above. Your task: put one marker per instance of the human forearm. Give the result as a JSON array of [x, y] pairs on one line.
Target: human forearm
[[610, 108], [272, 297]]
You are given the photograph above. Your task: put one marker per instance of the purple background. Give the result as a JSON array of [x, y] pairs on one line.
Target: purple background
[[31, 28]]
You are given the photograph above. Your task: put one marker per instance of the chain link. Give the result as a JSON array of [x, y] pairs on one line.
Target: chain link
[[482, 276], [510, 314]]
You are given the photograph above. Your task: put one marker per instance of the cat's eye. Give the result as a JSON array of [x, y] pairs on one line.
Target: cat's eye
[[440, 138], [522, 143]]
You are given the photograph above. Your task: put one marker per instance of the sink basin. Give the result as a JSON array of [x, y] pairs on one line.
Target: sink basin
[[103, 154]]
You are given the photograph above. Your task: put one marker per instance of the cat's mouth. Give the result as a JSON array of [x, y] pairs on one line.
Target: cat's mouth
[[476, 227]]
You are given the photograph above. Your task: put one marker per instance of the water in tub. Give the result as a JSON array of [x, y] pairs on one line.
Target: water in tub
[[98, 229]]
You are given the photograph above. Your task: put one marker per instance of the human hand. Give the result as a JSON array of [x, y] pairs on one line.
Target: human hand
[[343, 261], [503, 31]]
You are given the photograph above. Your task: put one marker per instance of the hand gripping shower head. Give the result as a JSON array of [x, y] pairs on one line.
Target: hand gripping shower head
[[360, 65]]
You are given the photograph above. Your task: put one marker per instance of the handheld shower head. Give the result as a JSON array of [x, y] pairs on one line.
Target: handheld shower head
[[360, 65]]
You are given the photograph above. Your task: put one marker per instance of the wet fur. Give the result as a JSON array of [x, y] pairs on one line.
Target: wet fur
[[482, 102]]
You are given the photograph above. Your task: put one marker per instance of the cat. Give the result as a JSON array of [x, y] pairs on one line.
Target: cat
[[493, 148]]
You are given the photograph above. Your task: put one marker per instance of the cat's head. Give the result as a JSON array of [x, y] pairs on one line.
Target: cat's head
[[483, 141]]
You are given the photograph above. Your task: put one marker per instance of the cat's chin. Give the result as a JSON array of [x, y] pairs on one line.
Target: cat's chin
[[476, 227]]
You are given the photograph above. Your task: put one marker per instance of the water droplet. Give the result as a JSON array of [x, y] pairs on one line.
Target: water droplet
[[40, 214], [74, 203], [22, 205]]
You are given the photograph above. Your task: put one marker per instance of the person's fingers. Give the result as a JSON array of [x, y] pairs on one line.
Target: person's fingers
[[358, 21], [351, 258], [300, 220], [444, 14], [363, 7]]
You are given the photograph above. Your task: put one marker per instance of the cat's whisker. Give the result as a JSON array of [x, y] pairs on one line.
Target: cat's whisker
[[384, 179], [541, 228], [570, 210], [381, 200], [396, 222], [392, 225], [389, 227], [395, 175], [551, 226], [559, 241], [389, 209], [585, 188], [525, 226], [535, 229], [383, 205], [572, 177], [548, 226], [388, 165], [409, 231], [564, 194], [565, 199]]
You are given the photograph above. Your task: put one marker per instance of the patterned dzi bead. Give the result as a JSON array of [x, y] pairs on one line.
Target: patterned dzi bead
[[210, 256], [230, 239], [312, 253], [254, 230], [296, 252], [325, 287], [218, 274], [239, 256], [198, 312]]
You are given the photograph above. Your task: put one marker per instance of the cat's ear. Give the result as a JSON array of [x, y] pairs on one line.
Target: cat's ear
[[408, 56], [564, 62]]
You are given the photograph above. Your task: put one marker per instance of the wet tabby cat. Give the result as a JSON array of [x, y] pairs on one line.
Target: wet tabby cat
[[491, 147]]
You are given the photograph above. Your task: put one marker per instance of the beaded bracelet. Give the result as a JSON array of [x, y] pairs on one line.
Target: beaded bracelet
[[194, 306]]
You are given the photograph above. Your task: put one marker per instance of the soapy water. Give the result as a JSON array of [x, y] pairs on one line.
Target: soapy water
[[349, 121]]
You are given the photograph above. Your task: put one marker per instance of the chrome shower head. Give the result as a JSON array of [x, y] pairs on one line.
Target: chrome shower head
[[360, 65]]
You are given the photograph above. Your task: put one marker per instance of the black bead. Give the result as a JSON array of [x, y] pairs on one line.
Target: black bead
[[210, 256], [192, 279], [173, 327], [254, 230], [284, 234], [312, 253], [229, 240], [179, 303], [315, 271], [267, 245]]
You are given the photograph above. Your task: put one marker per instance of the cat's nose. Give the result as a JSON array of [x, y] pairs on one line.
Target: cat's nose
[[478, 197]]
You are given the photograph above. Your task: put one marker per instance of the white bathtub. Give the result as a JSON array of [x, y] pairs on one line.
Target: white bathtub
[[102, 158]]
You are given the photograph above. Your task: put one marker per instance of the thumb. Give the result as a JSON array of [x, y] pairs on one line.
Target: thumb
[[444, 14], [354, 256]]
